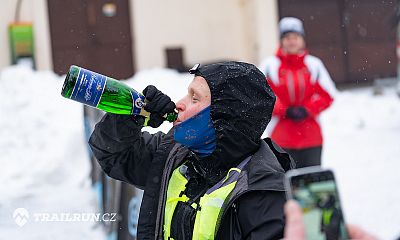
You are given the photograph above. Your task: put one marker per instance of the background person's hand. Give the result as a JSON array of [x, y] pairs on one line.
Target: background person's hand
[[157, 104], [295, 229], [296, 113]]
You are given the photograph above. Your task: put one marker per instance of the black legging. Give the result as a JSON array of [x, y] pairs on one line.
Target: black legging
[[306, 157]]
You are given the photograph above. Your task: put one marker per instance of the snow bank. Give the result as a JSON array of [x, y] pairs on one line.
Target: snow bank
[[44, 162], [362, 134]]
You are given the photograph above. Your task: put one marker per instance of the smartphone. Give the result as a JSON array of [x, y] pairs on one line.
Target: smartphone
[[315, 190]]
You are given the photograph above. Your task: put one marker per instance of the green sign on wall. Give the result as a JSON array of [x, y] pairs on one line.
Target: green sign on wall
[[21, 41]]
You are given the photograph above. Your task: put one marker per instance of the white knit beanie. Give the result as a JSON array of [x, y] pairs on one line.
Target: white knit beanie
[[290, 24]]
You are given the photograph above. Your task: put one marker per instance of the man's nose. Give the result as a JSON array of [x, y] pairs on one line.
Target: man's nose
[[180, 106]]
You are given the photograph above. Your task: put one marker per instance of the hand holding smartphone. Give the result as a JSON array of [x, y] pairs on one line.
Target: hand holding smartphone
[[315, 190]]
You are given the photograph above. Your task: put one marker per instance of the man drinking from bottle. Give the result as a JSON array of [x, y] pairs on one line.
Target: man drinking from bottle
[[210, 176]]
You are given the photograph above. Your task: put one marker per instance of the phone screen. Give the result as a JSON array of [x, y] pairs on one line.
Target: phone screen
[[318, 197]]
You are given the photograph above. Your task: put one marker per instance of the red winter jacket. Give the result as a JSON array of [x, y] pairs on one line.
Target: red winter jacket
[[298, 80]]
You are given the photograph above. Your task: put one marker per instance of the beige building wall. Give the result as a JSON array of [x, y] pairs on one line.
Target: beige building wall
[[261, 28], [267, 18], [34, 11], [207, 30]]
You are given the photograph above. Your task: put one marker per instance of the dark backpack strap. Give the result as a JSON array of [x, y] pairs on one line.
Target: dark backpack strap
[[283, 157]]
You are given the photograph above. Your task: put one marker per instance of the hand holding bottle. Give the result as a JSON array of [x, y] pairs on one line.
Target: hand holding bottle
[[157, 104]]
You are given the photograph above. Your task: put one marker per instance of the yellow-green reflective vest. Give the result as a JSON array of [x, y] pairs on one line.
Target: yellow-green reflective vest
[[210, 204], [326, 216]]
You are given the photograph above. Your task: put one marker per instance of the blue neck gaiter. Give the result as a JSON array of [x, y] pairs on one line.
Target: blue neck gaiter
[[197, 133]]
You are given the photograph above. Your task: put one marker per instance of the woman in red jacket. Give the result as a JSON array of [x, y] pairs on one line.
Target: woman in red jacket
[[303, 89]]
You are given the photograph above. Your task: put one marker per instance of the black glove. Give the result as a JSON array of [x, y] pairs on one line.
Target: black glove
[[158, 104], [296, 113]]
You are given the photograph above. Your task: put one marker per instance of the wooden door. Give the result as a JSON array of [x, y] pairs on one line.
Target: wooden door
[[353, 38], [370, 38], [94, 34]]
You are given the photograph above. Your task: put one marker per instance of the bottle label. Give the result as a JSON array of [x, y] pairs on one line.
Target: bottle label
[[138, 102], [89, 87]]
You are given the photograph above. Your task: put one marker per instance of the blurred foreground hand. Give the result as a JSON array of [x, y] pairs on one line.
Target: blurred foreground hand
[[295, 230]]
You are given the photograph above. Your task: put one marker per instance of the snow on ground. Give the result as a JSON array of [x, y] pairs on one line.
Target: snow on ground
[[45, 165], [362, 134], [44, 162]]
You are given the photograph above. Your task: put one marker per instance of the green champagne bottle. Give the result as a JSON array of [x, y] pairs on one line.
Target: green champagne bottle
[[105, 93]]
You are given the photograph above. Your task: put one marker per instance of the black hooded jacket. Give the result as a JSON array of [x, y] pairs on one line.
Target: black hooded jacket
[[241, 107]]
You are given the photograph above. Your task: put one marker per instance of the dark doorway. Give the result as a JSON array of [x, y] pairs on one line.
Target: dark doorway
[[175, 59], [370, 38], [353, 38], [94, 34]]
